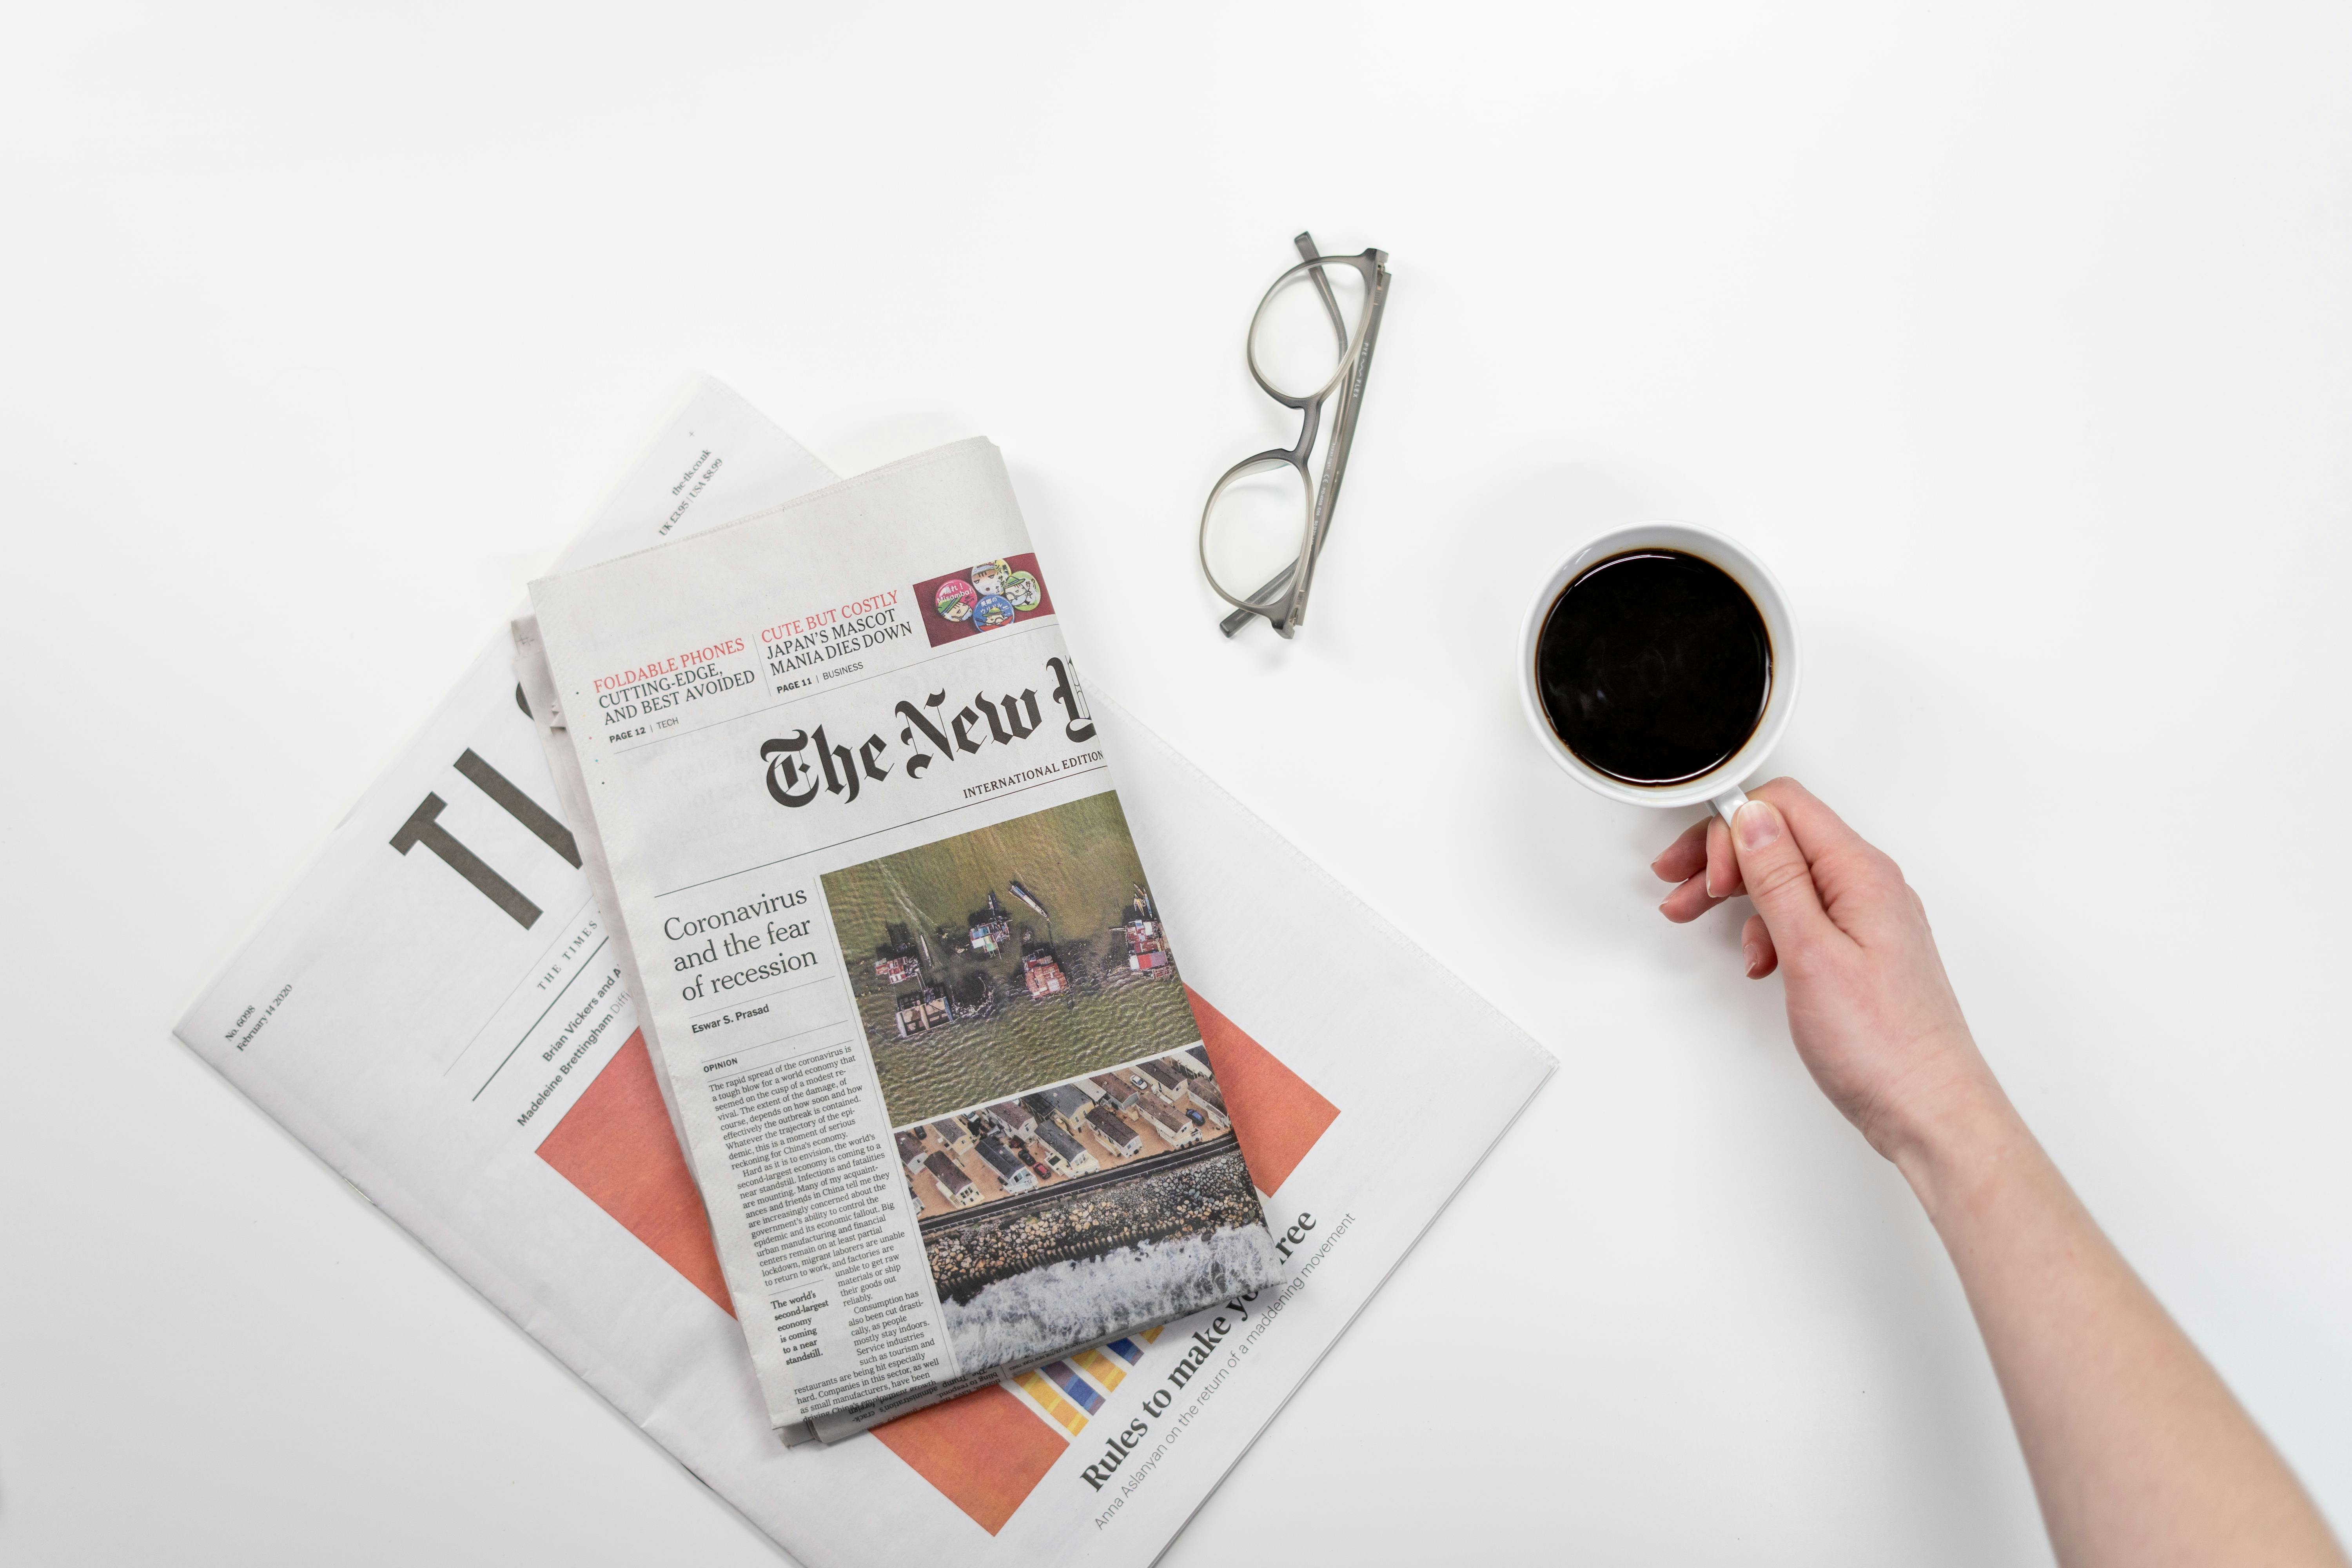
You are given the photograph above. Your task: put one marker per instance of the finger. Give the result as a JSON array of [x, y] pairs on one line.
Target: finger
[[1778, 876], [1685, 858], [1817, 827], [1687, 902], [1756, 947], [1722, 864]]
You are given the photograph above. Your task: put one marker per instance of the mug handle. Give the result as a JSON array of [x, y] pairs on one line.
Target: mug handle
[[1726, 805]]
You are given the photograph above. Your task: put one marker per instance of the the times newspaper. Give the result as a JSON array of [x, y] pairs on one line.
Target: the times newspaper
[[481, 1079], [920, 1022]]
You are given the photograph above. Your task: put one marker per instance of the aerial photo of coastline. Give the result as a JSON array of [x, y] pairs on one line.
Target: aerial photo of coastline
[[1026, 954], [1080, 1209], [1058, 1124]]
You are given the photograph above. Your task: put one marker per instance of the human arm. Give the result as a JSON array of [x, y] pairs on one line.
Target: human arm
[[2139, 1452]]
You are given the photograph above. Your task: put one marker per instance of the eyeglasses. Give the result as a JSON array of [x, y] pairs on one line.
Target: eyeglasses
[[1266, 519]]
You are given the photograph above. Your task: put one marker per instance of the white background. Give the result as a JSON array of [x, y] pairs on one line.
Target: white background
[[2013, 336]]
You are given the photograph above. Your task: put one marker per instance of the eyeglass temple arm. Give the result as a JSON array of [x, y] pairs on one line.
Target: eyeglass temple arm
[[1343, 427], [1307, 248], [1234, 622]]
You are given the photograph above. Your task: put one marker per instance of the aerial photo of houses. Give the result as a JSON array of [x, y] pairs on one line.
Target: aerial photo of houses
[[1027, 1144], [1030, 953], [1063, 1140]]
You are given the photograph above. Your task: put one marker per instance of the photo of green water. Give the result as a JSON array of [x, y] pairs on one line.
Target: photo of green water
[[992, 1038]]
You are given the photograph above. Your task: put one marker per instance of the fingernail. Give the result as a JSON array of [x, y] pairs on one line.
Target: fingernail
[[1758, 824], [1755, 957]]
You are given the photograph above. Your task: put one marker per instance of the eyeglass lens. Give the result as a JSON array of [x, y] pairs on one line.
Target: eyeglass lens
[[1255, 528], [1301, 333]]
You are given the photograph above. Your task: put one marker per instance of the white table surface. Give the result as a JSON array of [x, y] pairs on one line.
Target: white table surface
[[2015, 337]]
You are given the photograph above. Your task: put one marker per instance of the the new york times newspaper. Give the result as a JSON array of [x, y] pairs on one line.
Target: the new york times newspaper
[[919, 1023]]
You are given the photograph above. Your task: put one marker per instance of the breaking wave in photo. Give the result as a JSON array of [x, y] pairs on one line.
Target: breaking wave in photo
[[1076, 1301]]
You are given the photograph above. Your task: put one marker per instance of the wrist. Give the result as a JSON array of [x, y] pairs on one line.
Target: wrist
[[1959, 1141]]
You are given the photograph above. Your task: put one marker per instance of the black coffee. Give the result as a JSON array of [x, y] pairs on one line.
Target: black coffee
[[1654, 667]]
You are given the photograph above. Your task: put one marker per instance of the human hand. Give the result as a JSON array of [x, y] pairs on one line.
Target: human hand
[[1870, 1008], [2138, 1453]]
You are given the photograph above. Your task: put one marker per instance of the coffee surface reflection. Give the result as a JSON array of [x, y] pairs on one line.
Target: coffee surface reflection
[[1654, 667]]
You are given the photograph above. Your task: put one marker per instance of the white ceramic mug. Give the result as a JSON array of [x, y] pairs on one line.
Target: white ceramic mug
[[1719, 786]]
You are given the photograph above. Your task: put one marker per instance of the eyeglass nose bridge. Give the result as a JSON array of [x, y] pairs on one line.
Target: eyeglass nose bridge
[[1289, 583]]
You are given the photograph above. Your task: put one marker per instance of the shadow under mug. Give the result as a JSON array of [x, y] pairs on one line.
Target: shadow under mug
[[1719, 786]]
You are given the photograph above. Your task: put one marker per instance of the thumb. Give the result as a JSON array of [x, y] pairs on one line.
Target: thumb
[[1779, 877]]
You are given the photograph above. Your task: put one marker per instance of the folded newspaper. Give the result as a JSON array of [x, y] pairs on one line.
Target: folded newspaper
[[433, 1009], [851, 824]]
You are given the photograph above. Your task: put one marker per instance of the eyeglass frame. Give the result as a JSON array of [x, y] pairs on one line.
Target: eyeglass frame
[[1353, 368]]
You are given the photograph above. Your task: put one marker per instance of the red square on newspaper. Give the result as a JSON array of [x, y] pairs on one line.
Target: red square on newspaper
[[982, 598]]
